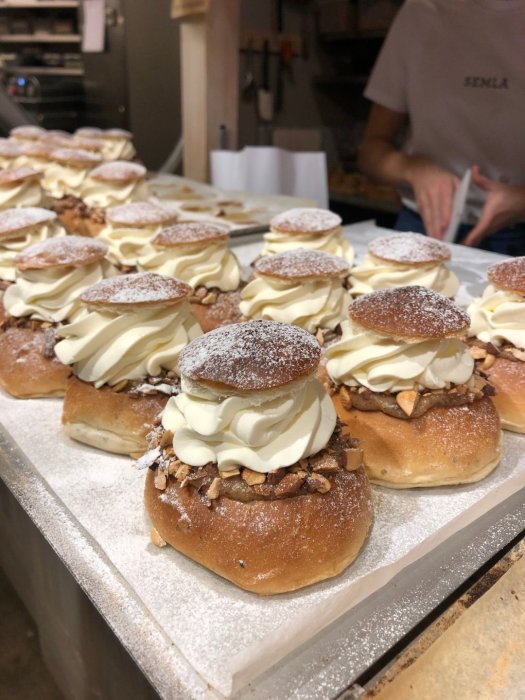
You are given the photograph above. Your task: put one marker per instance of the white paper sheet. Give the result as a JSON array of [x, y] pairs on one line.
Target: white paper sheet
[[94, 27]]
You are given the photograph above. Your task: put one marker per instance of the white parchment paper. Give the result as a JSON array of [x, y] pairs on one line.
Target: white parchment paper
[[230, 636]]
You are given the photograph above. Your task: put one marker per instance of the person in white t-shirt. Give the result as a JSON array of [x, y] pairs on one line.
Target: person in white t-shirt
[[454, 70]]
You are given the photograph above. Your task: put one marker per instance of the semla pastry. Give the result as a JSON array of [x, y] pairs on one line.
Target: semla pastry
[[498, 339], [124, 353], [51, 276], [404, 383], [198, 253], [302, 287], [117, 144], [20, 187], [402, 259], [249, 473], [315, 229]]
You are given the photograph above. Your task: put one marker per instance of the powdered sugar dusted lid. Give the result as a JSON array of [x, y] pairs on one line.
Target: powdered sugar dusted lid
[[305, 220], [117, 134], [37, 149], [89, 132], [118, 171], [252, 356], [65, 251], [184, 234], [509, 275], [142, 289], [10, 149], [410, 248], [93, 132], [27, 131], [14, 176], [140, 214], [302, 264], [75, 157], [86, 144], [13, 222], [409, 312]]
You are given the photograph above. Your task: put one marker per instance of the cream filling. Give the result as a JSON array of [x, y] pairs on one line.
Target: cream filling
[[9, 249], [106, 347], [38, 164], [118, 149], [374, 274], [104, 195], [60, 180], [126, 243], [24, 194], [213, 265], [9, 162], [53, 294], [310, 305], [248, 430], [332, 242], [363, 357], [498, 316]]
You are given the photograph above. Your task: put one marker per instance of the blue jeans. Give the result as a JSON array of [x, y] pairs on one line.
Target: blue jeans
[[508, 241]]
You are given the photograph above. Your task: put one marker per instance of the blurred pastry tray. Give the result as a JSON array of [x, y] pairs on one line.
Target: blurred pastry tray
[[196, 635], [241, 212]]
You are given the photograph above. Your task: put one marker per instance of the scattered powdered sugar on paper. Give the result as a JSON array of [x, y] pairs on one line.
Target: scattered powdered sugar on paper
[[306, 220], [409, 248], [301, 262]]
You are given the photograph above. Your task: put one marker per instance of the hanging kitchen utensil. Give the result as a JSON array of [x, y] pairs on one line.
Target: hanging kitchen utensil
[[264, 94]]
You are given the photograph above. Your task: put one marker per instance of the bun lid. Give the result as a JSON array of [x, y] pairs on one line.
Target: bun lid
[[64, 251], [27, 131], [302, 264], [136, 291], [10, 149], [14, 176], [37, 149], [186, 233], [508, 275], [254, 356], [87, 144], [412, 313], [409, 248], [118, 171], [14, 222], [75, 157], [140, 214], [305, 220], [93, 132]]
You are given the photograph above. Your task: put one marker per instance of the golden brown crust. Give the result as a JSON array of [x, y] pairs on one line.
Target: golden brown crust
[[444, 446], [409, 312], [223, 311], [251, 356], [306, 220], [139, 215], [111, 421], [67, 251], [10, 149], [193, 234], [24, 370], [303, 265], [412, 249], [38, 149], [14, 222], [267, 547], [508, 378], [509, 275], [15, 176], [141, 289], [118, 172], [27, 131], [76, 158], [86, 144]]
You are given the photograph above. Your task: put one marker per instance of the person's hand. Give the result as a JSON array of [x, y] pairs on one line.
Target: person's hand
[[504, 206], [434, 189]]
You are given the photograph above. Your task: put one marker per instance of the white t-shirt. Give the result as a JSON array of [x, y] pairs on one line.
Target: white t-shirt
[[457, 68]]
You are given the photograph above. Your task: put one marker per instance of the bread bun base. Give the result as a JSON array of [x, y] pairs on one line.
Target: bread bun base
[[445, 446], [267, 547], [24, 371], [110, 421], [508, 378], [225, 310]]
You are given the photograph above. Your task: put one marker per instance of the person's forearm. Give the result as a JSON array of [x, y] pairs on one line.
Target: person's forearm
[[383, 162]]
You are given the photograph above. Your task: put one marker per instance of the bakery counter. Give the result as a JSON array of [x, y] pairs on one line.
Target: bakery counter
[[119, 617]]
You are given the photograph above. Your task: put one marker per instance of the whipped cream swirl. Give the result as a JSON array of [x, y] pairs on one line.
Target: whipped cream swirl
[[310, 305], [102, 195], [365, 358], [212, 265], [52, 294], [125, 243], [10, 248], [498, 317], [105, 347], [331, 242], [374, 274], [262, 432], [60, 179], [118, 149], [28, 193]]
